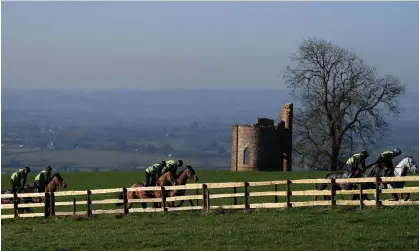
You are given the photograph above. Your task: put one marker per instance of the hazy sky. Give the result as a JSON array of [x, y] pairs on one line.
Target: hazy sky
[[194, 44]]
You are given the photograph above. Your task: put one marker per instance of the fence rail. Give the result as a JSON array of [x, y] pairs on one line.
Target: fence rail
[[206, 194]]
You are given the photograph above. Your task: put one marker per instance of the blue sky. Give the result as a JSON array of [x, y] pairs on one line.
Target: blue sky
[[147, 45]]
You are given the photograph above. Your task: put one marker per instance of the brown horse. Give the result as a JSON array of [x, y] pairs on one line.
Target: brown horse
[[372, 170], [56, 181], [186, 174], [164, 180]]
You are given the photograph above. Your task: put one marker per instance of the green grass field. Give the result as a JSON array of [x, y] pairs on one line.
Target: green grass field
[[292, 229]]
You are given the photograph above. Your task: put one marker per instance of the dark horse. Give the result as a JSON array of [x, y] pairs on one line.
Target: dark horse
[[372, 170], [56, 181], [182, 178], [165, 180]]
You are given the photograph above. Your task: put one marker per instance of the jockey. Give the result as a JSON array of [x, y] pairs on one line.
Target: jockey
[[386, 158], [352, 164], [43, 178], [153, 172], [172, 166], [18, 179]]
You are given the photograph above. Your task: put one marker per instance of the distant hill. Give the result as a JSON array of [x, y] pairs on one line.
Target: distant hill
[[203, 105], [184, 105]]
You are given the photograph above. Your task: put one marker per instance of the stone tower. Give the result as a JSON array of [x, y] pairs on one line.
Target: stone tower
[[263, 146]]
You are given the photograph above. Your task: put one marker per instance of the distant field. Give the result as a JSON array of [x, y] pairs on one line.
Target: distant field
[[101, 159]]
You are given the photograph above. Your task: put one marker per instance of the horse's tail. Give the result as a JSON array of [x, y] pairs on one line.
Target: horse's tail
[[120, 197]]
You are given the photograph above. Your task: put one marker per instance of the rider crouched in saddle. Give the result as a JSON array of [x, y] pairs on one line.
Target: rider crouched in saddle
[[385, 160], [18, 179], [172, 166], [153, 172], [352, 164], [42, 179]]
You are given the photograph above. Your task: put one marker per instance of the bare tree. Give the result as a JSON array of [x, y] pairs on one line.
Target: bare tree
[[344, 103]]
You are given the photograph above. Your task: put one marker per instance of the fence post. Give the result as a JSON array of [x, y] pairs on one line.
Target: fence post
[[246, 195], [288, 193], [276, 196], [125, 200], [15, 205], [197, 200], [204, 197], [163, 199], [361, 196], [207, 195], [46, 205], [315, 188], [235, 198], [52, 204], [74, 205], [333, 192], [89, 203], [377, 191]]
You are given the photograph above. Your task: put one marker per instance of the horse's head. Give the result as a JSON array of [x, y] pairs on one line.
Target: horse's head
[[411, 164], [408, 162], [166, 178], [57, 180], [190, 172]]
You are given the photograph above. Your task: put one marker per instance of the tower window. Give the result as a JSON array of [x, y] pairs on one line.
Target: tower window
[[246, 156]]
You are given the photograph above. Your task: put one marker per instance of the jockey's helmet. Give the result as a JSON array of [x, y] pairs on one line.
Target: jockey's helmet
[[397, 151], [364, 154]]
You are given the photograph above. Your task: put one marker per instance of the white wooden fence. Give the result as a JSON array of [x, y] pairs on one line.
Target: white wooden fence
[[206, 194]]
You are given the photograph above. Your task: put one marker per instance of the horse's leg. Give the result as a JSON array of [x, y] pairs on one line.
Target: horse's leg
[[191, 202], [129, 205], [143, 204], [130, 196], [180, 204], [407, 197], [395, 196], [356, 196], [365, 196]]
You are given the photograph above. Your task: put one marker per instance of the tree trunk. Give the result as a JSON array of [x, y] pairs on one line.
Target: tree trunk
[[335, 157], [335, 149]]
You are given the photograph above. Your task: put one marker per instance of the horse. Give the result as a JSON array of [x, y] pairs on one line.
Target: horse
[[371, 170], [407, 163], [56, 181], [182, 178], [164, 180]]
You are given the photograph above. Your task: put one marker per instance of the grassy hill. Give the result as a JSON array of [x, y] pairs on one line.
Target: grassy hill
[[295, 229], [291, 229]]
